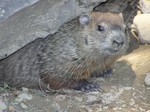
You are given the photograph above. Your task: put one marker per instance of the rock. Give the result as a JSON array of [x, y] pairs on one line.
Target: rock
[[129, 25], [80, 99], [2, 106], [112, 7], [23, 97], [57, 107], [60, 97], [9, 7], [132, 102], [145, 6], [105, 108], [128, 88], [124, 105], [100, 110], [142, 25], [25, 89], [147, 79], [141, 109], [112, 96], [23, 106], [115, 109], [107, 98], [88, 109], [91, 98], [38, 20], [11, 109]]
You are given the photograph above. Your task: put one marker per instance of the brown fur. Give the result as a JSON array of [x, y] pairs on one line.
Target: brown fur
[[70, 55]]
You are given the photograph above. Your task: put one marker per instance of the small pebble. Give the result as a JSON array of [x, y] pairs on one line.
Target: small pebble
[[100, 109], [105, 108], [60, 97], [139, 12], [57, 107], [23, 106], [25, 89], [23, 96], [79, 99], [128, 88], [132, 102], [134, 109], [124, 105], [147, 79], [2, 106], [129, 25], [141, 109], [115, 109], [91, 98], [11, 109], [88, 109]]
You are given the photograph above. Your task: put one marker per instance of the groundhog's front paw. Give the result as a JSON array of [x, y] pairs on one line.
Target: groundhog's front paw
[[107, 73], [90, 88], [85, 86], [104, 73]]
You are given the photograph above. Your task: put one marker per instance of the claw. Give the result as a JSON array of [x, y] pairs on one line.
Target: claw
[[84, 86], [105, 73]]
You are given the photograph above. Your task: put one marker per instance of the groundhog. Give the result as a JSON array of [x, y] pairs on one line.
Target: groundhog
[[66, 59]]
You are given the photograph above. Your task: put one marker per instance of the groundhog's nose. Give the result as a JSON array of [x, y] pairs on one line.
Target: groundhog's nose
[[117, 43]]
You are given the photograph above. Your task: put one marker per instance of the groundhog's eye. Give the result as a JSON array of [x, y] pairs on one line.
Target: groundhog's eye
[[100, 28]]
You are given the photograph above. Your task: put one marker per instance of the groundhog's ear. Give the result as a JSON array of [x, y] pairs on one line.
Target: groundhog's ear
[[84, 19]]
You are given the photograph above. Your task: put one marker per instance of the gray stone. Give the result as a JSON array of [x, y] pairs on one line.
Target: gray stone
[[38, 20], [23, 106], [145, 6], [142, 26], [132, 102], [91, 98], [23, 97], [9, 7], [147, 79], [112, 7], [2, 106]]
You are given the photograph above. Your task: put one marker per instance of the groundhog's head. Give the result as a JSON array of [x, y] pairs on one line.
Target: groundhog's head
[[104, 33]]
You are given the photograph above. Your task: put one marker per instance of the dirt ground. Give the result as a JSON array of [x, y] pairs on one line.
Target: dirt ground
[[125, 91]]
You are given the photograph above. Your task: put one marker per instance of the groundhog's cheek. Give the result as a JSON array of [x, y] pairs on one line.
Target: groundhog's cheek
[[104, 47]]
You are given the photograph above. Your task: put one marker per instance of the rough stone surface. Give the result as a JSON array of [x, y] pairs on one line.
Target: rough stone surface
[[142, 25], [23, 96], [2, 106], [112, 7], [38, 20], [147, 79], [9, 7], [145, 6]]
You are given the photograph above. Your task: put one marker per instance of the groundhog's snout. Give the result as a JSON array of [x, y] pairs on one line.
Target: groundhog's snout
[[117, 43]]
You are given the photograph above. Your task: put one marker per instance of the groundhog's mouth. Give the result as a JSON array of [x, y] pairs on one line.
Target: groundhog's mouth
[[113, 51]]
